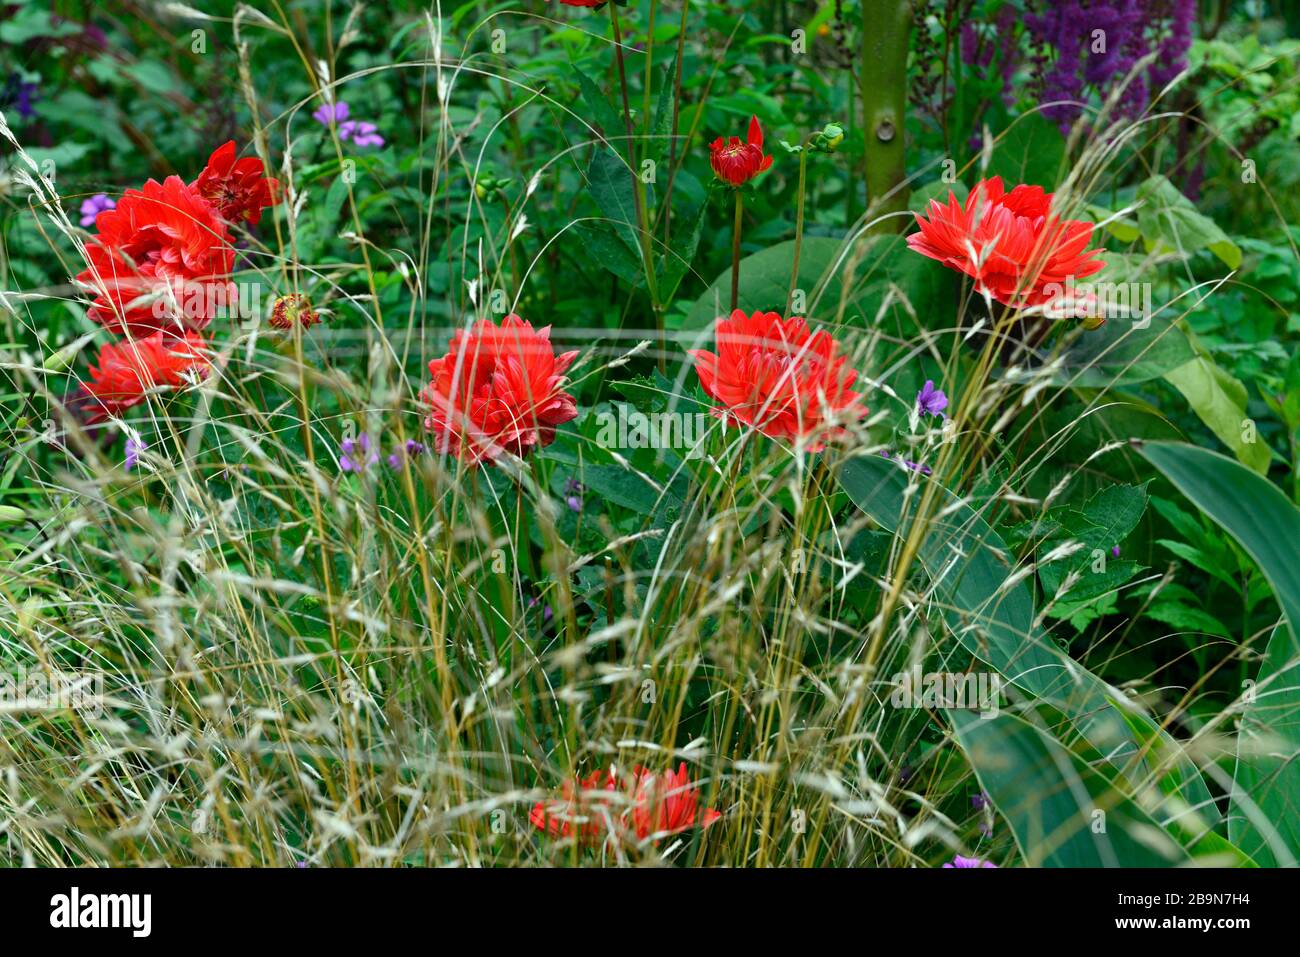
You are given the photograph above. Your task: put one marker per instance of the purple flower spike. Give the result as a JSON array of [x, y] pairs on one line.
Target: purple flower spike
[[92, 207], [573, 491], [930, 400], [328, 113], [961, 862]]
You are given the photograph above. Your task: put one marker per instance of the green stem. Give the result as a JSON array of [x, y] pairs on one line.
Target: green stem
[[886, 34], [638, 194], [735, 251], [798, 229]]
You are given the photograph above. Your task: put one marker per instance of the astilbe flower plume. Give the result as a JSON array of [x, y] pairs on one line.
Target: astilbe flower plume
[[237, 188], [497, 390], [158, 242], [1012, 244], [779, 377], [736, 162], [644, 805], [128, 370]]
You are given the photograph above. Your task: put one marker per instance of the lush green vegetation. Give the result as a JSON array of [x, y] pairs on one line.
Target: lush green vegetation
[[997, 565]]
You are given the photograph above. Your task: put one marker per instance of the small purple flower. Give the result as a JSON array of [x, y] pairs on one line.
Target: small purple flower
[[92, 207], [328, 113], [20, 93], [961, 862], [931, 400], [362, 134], [573, 491], [1115, 551], [914, 466], [356, 454], [134, 446], [547, 614], [411, 449], [979, 801]]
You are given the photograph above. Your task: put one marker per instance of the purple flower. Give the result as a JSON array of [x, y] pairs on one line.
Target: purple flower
[[20, 93], [411, 449], [931, 400], [960, 862], [134, 446], [92, 207], [362, 134], [573, 491], [356, 454], [1115, 551], [979, 801], [328, 113], [547, 613], [914, 466]]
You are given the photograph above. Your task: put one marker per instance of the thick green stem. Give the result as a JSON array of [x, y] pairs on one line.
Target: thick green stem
[[638, 194], [886, 33], [798, 229], [735, 250]]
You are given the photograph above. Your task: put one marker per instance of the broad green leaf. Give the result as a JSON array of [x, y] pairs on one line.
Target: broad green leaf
[[1251, 508], [1264, 814], [609, 179], [1219, 400], [1061, 811], [968, 562], [1169, 222]]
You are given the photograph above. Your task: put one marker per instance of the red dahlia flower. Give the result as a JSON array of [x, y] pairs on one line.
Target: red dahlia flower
[[152, 253], [129, 369], [777, 376], [646, 804], [1009, 243], [498, 390], [237, 187], [737, 163]]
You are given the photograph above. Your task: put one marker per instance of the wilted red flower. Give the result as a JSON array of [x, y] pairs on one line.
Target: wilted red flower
[[159, 244], [737, 162], [291, 309], [129, 369], [776, 375], [583, 3], [644, 804], [498, 390], [237, 188], [1011, 244]]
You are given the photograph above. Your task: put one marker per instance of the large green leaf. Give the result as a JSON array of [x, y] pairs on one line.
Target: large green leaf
[[970, 566], [1219, 400], [1061, 811], [1169, 222], [1264, 816], [1252, 509]]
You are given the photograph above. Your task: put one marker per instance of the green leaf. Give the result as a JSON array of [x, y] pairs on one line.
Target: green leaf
[[603, 116], [1262, 815], [1219, 400], [1169, 222], [1031, 150], [968, 562], [1251, 508], [1051, 799], [609, 180]]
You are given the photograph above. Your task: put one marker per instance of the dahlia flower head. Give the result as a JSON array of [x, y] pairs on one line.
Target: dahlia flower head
[[1011, 244], [736, 162], [644, 805], [128, 370], [499, 389], [780, 378], [162, 257]]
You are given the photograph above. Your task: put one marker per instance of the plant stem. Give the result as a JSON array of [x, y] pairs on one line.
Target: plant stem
[[638, 195], [886, 34], [798, 230], [735, 251]]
